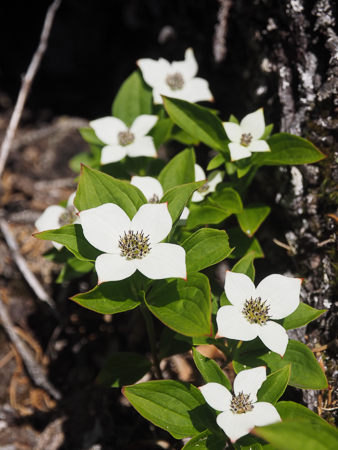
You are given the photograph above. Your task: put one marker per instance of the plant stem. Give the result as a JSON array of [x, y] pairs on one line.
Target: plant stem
[[152, 339]]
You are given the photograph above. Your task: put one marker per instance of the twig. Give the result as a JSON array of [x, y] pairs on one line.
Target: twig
[[27, 83], [221, 31], [26, 272], [32, 367]]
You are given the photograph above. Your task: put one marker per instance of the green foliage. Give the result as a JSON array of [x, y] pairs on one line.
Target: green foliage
[[307, 434], [133, 99], [210, 370], [180, 170], [123, 368], [96, 188], [177, 407], [184, 306], [110, 298], [72, 237], [305, 374], [205, 248], [287, 149], [198, 122], [252, 217], [274, 385]]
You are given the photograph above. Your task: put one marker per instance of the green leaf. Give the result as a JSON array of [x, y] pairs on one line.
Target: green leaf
[[202, 215], [111, 297], [178, 197], [184, 306], [227, 199], [216, 161], [182, 136], [206, 441], [267, 132], [210, 370], [295, 435], [294, 411], [177, 407], [123, 368], [302, 316], [246, 266], [274, 385], [306, 373], [85, 158], [89, 135], [252, 217], [73, 269], [161, 131], [180, 170], [233, 119], [72, 237], [96, 188], [197, 121], [205, 248], [287, 149], [170, 345], [243, 244], [133, 99]]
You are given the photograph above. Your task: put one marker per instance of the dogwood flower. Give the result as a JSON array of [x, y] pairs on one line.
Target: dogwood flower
[[121, 140], [153, 191], [131, 245], [56, 216], [241, 412], [214, 179], [176, 79], [251, 309], [245, 137]]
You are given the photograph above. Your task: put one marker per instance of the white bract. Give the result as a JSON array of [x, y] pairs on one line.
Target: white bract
[[214, 179], [152, 189], [176, 79], [131, 245], [121, 140], [239, 412], [56, 216], [251, 309], [245, 137]]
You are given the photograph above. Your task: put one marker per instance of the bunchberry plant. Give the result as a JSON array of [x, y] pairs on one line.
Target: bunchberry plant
[[131, 203]]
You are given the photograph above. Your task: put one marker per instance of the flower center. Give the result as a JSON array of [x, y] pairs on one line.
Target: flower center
[[256, 311], [175, 81], [125, 137], [134, 245], [203, 188], [154, 199], [68, 216], [241, 403], [246, 139]]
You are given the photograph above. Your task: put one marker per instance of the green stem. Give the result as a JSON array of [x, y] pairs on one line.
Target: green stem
[[152, 340]]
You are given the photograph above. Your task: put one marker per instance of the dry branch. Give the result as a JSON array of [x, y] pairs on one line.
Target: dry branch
[[27, 83]]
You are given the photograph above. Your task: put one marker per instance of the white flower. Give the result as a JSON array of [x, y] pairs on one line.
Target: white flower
[[176, 79], [56, 216], [245, 137], [153, 191], [121, 140], [239, 412], [274, 298], [131, 245], [214, 179]]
